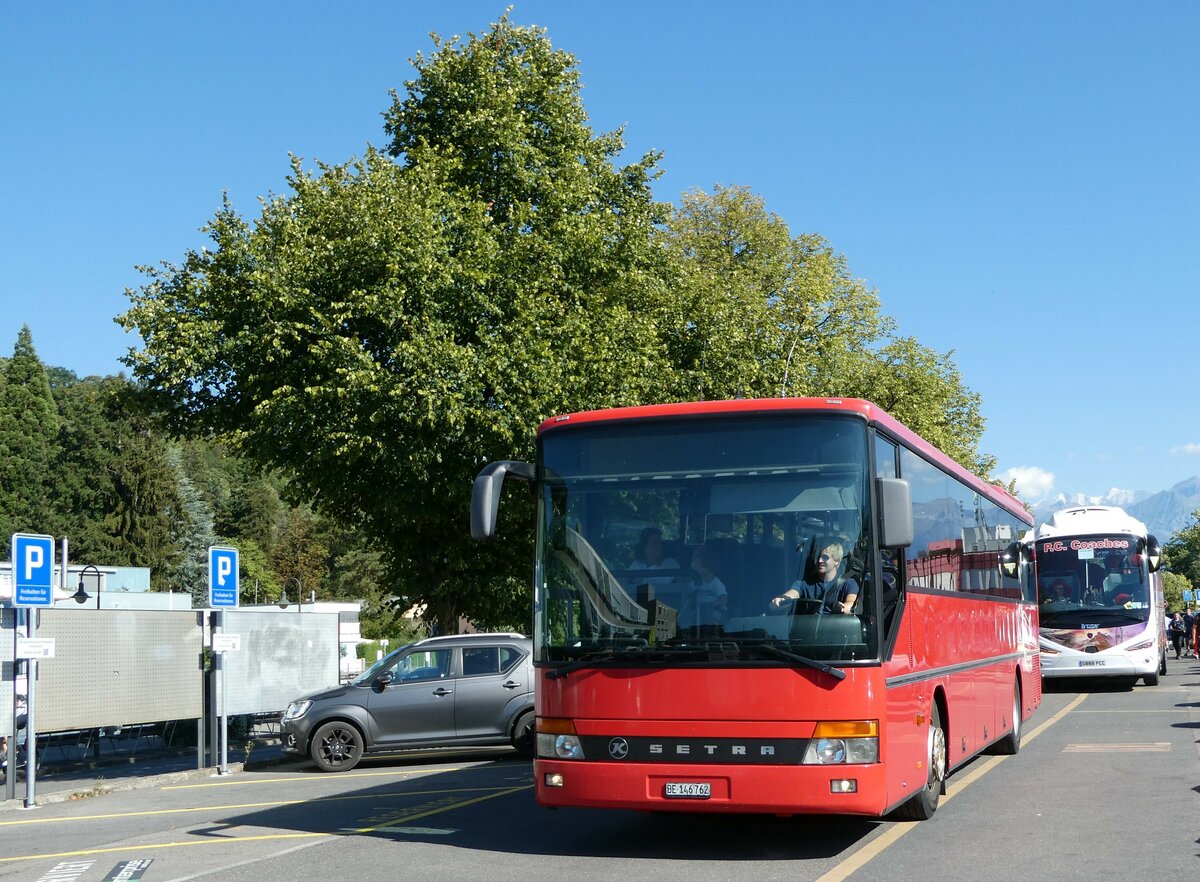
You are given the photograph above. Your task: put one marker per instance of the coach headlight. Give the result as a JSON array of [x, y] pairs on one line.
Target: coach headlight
[[835, 743], [556, 739]]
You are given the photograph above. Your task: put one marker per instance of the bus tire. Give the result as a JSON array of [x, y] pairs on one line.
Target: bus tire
[[1151, 679], [1011, 743], [1162, 664], [924, 803]]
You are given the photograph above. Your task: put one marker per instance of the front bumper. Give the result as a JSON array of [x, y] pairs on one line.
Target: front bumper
[[770, 789]]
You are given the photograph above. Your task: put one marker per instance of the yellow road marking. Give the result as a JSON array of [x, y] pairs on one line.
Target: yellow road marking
[[140, 847], [437, 811], [340, 776], [245, 805], [893, 834]]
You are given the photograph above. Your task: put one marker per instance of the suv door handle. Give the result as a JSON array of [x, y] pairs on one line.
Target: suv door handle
[[512, 684], [443, 691]]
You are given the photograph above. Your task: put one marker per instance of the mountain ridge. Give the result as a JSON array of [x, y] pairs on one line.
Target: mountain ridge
[[1164, 513]]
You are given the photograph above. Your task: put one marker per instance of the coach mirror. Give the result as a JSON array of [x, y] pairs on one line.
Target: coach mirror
[[1010, 560], [1153, 554], [895, 512]]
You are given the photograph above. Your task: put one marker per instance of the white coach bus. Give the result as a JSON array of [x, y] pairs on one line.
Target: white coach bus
[[1100, 598]]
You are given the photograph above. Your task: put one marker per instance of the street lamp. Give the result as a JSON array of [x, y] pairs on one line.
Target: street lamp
[[283, 601], [81, 596]]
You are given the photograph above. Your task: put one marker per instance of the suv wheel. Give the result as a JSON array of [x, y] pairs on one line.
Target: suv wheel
[[336, 747]]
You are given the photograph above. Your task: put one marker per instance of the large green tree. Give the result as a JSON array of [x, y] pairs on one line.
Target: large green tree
[[394, 322], [760, 312], [28, 443]]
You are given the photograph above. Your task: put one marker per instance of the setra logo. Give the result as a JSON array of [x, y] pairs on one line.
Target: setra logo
[[618, 748]]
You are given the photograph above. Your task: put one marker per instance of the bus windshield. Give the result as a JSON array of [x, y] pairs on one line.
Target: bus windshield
[[1097, 581], [674, 542]]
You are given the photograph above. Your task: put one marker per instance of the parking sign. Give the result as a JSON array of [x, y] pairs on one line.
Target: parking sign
[[33, 569], [222, 577]]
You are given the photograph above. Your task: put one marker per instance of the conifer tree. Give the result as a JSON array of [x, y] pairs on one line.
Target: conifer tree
[[28, 433]]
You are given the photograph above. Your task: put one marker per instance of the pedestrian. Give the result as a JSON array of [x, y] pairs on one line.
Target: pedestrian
[[1189, 621], [1175, 632]]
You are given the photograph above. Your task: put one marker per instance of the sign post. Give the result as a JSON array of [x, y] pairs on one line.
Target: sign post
[[223, 593], [33, 572]]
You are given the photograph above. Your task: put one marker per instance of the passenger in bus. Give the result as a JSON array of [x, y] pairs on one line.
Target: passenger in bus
[[836, 595], [649, 556], [705, 602]]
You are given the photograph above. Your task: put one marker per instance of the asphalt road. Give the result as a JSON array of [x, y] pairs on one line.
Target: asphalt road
[[1105, 786]]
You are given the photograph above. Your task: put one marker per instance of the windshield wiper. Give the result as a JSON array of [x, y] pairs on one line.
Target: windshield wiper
[[836, 673]]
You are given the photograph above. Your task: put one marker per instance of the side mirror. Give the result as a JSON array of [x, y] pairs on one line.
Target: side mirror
[[1010, 560], [1153, 554], [895, 512], [485, 494], [382, 681]]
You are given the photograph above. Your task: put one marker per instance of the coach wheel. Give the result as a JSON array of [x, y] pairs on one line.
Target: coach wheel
[[1151, 679], [336, 747], [1162, 664], [922, 806]]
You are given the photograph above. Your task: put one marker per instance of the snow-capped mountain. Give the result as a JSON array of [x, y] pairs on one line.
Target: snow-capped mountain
[[1164, 513]]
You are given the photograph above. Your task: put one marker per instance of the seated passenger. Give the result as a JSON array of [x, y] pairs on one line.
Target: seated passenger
[[704, 603], [835, 595], [649, 556]]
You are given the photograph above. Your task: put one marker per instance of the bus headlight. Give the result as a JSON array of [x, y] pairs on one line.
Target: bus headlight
[[1145, 644], [556, 739], [836, 743]]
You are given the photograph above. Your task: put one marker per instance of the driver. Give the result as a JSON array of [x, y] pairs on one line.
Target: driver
[[836, 595]]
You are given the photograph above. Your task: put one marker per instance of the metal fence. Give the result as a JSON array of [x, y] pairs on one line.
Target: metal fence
[[125, 667]]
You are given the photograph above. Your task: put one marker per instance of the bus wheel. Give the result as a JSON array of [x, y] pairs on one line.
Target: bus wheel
[[1011, 743], [922, 806], [1162, 664], [1151, 679]]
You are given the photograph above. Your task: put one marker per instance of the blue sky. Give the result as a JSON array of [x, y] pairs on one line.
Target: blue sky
[[1017, 180]]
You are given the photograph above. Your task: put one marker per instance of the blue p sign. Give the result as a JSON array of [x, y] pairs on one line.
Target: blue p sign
[[222, 577], [33, 569]]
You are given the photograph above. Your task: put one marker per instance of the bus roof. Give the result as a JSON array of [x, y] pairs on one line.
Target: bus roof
[[871, 412], [1088, 520]]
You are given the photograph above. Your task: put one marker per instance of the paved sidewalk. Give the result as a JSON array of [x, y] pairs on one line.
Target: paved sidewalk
[[61, 778]]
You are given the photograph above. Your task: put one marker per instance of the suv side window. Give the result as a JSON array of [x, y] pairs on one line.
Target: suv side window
[[509, 656], [427, 664], [477, 660]]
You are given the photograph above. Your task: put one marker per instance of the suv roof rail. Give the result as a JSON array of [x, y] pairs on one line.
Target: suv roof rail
[[475, 636]]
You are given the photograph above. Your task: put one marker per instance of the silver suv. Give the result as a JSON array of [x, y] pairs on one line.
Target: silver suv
[[462, 690]]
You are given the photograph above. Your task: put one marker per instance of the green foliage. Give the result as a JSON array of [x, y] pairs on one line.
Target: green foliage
[[1174, 585], [28, 443], [1181, 554], [118, 497]]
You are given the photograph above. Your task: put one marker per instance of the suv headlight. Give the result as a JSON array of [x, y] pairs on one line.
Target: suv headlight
[[296, 710]]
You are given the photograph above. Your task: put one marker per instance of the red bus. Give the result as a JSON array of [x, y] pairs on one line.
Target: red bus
[[783, 605]]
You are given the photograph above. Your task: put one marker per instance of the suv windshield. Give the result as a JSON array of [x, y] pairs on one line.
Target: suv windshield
[[669, 542], [1096, 581]]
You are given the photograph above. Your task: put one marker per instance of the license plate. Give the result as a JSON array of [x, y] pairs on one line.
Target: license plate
[[687, 790], [1091, 663]]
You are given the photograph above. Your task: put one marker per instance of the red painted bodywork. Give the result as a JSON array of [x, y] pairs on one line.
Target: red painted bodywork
[[938, 630]]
